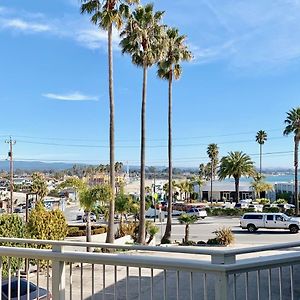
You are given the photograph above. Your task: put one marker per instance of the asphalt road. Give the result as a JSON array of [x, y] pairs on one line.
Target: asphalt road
[[203, 230]]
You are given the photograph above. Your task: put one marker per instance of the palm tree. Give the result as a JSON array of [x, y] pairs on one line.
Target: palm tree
[[293, 126], [142, 39], [259, 185], [39, 186], [260, 138], [88, 198], [187, 220], [212, 152], [123, 206], [169, 68], [106, 14], [236, 164]]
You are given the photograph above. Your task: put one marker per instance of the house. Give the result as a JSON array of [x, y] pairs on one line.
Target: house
[[224, 191]]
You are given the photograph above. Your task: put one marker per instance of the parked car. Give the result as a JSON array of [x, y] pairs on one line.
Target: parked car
[[254, 221], [200, 213], [33, 290], [92, 217]]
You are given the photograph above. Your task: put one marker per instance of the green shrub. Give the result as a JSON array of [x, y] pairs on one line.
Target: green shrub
[[46, 225], [201, 243], [280, 201], [271, 209], [189, 243], [224, 236], [290, 212], [213, 241], [98, 231], [248, 210], [208, 210], [263, 201], [11, 226]]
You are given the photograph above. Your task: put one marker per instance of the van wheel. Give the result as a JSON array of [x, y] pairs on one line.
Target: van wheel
[[251, 228], [294, 229]]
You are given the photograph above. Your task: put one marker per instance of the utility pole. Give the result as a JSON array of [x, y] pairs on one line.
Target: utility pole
[[11, 170]]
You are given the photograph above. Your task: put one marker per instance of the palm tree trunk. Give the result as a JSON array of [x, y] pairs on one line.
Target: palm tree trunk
[[142, 227], [187, 233], [296, 174], [211, 182], [260, 157], [110, 230], [237, 189], [88, 230], [167, 234]]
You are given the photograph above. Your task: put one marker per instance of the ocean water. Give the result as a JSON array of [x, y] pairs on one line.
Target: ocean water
[[269, 178]]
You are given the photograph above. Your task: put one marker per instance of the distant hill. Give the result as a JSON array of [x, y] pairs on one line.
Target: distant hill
[[36, 165]]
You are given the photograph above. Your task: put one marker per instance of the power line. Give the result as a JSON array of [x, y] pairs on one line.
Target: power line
[[137, 146], [179, 159], [131, 140]]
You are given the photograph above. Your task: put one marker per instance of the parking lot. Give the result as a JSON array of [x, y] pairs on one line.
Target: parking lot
[[203, 230]]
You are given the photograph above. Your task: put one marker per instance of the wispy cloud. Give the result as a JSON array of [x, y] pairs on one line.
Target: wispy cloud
[[254, 35], [75, 96], [95, 38], [24, 26], [78, 29]]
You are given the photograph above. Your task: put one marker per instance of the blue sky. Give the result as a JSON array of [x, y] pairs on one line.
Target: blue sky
[[244, 77]]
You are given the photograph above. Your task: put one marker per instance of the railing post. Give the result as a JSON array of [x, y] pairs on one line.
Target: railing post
[[223, 259], [58, 276], [221, 286]]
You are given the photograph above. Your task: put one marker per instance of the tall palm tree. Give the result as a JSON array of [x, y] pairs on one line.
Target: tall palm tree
[[213, 153], [169, 68], [260, 138], [106, 14], [293, 126], [142, 39], [236, 164]]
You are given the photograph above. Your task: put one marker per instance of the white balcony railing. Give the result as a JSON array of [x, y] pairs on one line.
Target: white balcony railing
[[148, 272]]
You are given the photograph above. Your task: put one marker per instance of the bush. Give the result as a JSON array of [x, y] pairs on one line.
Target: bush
[[281, 201], [201, 243], [271, 209], [80, 231], [224, 236], [99, 231], [290, 212], [46, 225], [213, 241], [189, 243], [11, 226], [263, 201], [248, 210]]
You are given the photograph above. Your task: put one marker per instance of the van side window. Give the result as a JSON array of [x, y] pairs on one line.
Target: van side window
[[270, 217]]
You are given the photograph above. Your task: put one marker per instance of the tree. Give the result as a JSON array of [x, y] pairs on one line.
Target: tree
[[292, 122], [169, 68], [236, 164], [123, 206], [39, 185], [187, 221], [106, 14], [260, 138], [72, 182], [259, 185], [212, 152], [142, 38], [89, 197]]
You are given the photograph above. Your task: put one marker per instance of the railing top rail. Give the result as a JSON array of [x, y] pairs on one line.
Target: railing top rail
[[138, 261], [174, 249]]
